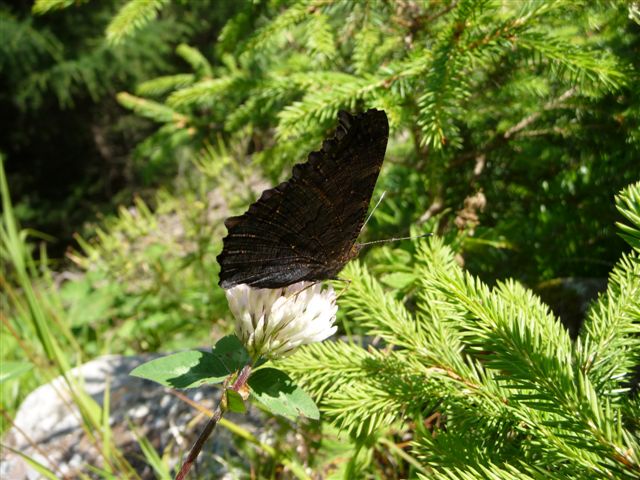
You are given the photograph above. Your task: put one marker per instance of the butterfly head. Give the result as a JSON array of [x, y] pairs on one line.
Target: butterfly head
[[354, 251]]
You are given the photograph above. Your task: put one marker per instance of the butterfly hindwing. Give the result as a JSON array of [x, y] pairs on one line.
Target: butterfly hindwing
[[305, 228]]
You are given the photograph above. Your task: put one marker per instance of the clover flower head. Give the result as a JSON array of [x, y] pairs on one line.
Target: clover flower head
[[275, 322]]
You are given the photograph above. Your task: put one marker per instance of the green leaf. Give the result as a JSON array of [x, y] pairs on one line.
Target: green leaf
[[235, 403], [194, 368], [9, 370], [231, 353], [188, 369], [276, 391]]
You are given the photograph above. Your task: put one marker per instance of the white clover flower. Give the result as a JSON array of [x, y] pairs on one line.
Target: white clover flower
[[274, 322]]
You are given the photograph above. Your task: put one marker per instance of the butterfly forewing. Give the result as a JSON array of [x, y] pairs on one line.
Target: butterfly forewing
[[305, 228]]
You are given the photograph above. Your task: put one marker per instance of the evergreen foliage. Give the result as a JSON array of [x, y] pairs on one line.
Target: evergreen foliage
[[513, 395], [133, 16], [61, 125], [42, 63], [513, 125], [499, 95]]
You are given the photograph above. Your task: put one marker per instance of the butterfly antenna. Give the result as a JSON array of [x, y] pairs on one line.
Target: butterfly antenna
[[395, 239], [374, 208]]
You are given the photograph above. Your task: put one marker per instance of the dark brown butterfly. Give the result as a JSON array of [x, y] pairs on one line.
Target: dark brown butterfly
[[306, 227]]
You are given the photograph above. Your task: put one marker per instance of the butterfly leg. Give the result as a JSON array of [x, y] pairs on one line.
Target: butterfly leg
[[303, 289], [347, 283]]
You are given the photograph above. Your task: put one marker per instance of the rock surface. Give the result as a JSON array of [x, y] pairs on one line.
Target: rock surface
[[48, 428]]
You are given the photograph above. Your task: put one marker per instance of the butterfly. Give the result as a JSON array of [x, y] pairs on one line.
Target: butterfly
[[305, 229]]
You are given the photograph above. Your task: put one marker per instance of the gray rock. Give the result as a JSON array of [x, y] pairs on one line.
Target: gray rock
[[48, 428]]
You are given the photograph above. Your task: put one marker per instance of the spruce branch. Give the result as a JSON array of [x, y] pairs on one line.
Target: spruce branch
[[270, 95], [386, 391], [45, 6], [366, 303], [327, 367], [63, 79], [628, 204], [204, 93], [320, 38], [365, 43], [28, 44], [133, 16], [609, 342], [160, 86], [269, 34], [196, 59], [322, 106], [443, 320], [445, 85], [361, 392], [496, 365], [152, 110], [533, 353], [578, 66]]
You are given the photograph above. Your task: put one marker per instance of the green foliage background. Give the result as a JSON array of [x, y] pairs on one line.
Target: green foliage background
[[142, 124]]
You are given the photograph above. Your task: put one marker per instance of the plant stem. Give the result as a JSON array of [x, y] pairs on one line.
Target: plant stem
[[240, 382]]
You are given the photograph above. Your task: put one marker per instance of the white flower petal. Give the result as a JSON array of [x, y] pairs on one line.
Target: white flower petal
[[274, 322]]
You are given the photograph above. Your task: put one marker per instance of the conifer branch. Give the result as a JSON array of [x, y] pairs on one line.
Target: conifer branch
[[162, 85], [152, 110], [196, 59], [203, 93], [133, 16], [320, 38], [267, 35], [45, 6]]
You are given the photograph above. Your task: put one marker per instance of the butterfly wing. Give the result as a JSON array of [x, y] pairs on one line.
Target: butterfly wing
[[306, 227]]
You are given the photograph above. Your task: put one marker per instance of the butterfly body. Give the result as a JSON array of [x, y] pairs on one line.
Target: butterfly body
[[305, 229]]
